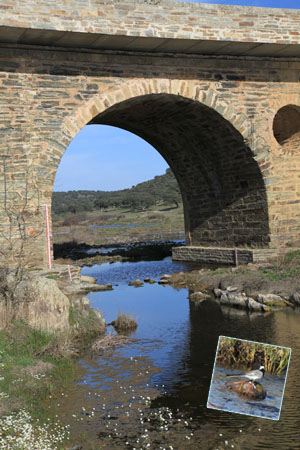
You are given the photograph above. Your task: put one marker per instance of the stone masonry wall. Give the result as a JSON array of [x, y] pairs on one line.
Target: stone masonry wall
[[219, 256], [210, 117], [156, 18]]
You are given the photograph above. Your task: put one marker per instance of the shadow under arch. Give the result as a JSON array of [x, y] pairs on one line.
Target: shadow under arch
[[223, 191]]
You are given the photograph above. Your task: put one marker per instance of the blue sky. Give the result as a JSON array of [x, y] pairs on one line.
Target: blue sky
[[104, 158], [108, 158]]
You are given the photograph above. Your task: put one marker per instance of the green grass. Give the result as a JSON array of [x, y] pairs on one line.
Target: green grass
[[293, 255], [22, 347], [288, 267], [52, 277]]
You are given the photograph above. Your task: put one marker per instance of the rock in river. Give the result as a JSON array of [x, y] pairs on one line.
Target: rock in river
[[136, 283], [248, 389]]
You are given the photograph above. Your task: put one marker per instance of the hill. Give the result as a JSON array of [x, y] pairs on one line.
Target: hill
[[161, 190]]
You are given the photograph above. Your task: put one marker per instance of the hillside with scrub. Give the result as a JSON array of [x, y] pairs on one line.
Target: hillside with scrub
[[162, 190], [150, 211]]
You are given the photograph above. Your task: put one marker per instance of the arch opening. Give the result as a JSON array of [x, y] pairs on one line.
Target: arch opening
[[286, 127], [222, 187], [111, 179]]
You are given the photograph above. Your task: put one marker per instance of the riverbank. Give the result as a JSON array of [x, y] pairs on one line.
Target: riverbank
[[254, 287], [33, 365], [276, 283], [37, 364], [273, 278]]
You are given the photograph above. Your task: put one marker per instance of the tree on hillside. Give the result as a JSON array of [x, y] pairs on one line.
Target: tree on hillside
[[161, 189]]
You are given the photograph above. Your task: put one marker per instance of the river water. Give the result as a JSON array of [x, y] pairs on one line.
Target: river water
[[152, 392]]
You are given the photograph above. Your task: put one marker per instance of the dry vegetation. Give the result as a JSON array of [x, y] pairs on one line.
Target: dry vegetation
[[124, 322], [245, 354], [110, 341]]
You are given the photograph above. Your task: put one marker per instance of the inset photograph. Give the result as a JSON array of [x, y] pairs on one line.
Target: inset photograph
[[249, 377]]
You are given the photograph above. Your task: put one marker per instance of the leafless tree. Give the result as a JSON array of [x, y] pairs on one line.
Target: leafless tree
[[20, 201]]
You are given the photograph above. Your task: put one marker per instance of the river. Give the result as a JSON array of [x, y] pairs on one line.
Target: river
[[152, 392]]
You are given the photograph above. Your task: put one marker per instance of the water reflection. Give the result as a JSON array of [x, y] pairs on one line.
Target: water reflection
[[167, 370], [122, 272]]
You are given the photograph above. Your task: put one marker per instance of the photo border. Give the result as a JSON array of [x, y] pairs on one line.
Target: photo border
[[255, 342]]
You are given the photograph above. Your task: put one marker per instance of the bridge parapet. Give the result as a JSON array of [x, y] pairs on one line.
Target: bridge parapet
[[152, 25]]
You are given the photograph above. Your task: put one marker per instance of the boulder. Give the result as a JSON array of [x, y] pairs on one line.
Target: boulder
[[198, 296], [102, 324], [270, 299], [87, 279], [253, 305], [40, 303], [85, 303], [231, 289], [295, 299], [252, 391], [241, 301], [218, 292], [237, 300]]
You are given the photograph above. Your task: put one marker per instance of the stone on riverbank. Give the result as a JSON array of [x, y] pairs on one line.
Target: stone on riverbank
[[40, 303], [295, 299], [165, 279], [85, 288], [87, 279], [218, 292], [198, 296], [271, 300], [240, 300]]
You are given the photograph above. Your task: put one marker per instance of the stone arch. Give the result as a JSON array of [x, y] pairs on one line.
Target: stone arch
[[135, 88], [222, 186]]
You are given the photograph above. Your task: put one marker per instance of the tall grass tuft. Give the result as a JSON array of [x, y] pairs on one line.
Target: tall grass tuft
[[238, 353], [125, 322]]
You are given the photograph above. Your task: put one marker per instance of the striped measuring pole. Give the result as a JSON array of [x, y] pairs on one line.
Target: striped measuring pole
[[48, 237]]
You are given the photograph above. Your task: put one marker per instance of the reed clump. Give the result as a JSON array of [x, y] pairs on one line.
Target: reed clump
[[125, 322], [246, 354]]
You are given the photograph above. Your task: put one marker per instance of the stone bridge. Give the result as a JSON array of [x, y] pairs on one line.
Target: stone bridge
[[215, 89]]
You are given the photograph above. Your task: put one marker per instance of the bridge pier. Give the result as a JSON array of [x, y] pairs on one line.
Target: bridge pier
[[224, 256]]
